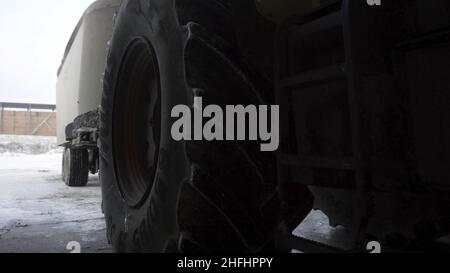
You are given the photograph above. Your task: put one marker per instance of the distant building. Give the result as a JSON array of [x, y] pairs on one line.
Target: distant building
[[27, 119]]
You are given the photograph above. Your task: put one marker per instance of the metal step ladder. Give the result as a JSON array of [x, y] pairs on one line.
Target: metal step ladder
[[330, 19]]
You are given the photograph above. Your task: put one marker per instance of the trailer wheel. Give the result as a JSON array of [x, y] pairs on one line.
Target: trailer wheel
[[75, 167], [163, 195]]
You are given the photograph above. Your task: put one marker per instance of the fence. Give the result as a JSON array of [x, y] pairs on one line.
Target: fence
[[27, 119]]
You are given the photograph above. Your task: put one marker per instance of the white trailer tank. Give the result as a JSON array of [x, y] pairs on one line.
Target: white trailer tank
[[79, 84]]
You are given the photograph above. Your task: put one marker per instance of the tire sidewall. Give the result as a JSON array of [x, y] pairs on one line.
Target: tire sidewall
[[66, 166], [148, 227]]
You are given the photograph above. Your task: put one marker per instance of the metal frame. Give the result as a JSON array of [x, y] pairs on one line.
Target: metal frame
[[27, 106], [334, 13]]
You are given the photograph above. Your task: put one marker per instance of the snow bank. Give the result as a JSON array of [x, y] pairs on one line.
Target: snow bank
[[29, 145]]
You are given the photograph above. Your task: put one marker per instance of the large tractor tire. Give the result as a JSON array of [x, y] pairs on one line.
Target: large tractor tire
[[163, 195], [75, 167]]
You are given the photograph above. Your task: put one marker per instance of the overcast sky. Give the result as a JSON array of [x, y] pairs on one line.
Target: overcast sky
[[33, 37]]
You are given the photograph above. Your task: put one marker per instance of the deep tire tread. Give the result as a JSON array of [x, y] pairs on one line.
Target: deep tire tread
[[78, 175]]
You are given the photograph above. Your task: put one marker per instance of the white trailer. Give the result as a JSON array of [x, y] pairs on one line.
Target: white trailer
[[81, 71], [79, 90]]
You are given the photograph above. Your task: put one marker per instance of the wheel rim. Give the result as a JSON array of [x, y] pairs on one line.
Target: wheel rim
[[136, 122]]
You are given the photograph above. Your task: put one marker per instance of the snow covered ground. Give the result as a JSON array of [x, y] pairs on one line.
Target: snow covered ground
[[38, 213], [29, 145]]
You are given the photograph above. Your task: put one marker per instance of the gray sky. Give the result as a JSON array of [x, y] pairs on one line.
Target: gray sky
[[33, 37]]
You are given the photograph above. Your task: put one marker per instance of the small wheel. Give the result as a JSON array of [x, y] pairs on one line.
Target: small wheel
[[75, 167]]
